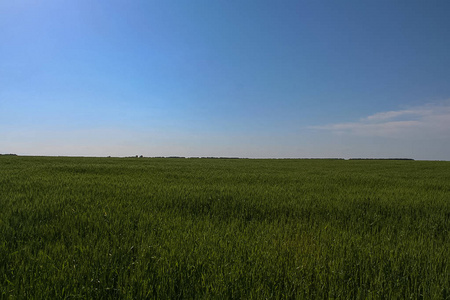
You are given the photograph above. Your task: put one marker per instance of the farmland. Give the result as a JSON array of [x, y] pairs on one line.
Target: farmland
[[135, 228]]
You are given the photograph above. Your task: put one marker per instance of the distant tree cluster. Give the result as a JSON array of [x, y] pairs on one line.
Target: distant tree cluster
[[8, 154], [215, 157]]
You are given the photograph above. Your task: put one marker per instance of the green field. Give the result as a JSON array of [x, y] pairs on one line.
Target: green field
[[138, 228]]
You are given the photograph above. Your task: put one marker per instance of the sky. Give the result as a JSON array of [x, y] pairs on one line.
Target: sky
[[258, 79]]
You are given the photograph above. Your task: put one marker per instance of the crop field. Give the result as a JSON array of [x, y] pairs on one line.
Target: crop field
[[173, 228]]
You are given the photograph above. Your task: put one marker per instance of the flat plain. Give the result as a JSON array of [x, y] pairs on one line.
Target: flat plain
[[137, 228]]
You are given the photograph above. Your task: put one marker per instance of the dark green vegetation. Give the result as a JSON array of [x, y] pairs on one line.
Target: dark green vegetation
[[202, 228]]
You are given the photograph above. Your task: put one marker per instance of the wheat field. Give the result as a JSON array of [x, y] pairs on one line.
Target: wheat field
[[175, 228]]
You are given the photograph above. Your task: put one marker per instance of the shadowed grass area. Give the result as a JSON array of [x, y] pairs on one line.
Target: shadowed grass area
[[217, 228]]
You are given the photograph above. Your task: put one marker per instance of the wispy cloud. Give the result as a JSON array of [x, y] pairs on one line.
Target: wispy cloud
[[427, 121], [389, 115]]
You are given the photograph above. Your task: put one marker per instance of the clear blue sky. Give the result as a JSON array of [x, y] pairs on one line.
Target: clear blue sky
[[225, 78]]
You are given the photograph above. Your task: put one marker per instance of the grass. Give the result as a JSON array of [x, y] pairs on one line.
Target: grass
[[136, 228]]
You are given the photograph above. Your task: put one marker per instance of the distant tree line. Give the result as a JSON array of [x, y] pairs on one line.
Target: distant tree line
[[381, 159], [227, 157]]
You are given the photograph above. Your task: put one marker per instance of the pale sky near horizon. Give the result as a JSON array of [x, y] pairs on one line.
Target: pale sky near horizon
[[226, 78]]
